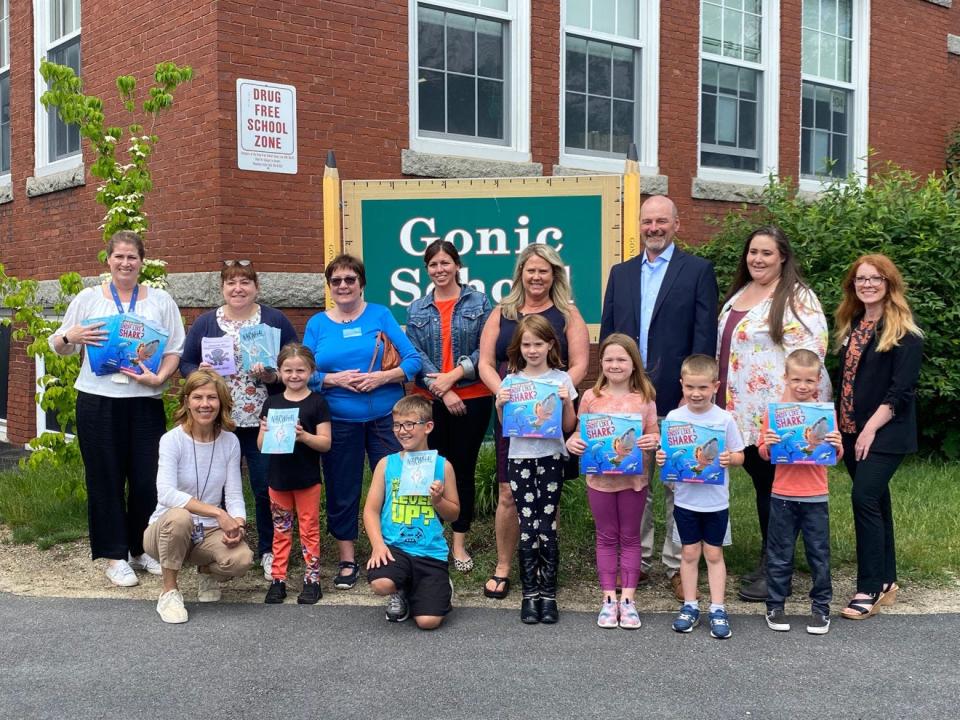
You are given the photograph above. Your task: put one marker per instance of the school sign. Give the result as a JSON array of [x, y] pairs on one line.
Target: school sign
[[390, 224]]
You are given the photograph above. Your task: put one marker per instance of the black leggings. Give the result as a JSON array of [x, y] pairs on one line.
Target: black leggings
[[761, 472], [458, 439]]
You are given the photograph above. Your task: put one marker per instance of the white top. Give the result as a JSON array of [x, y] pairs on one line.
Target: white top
[[157, 306], [704, 497], [177, 475], [521, 447]]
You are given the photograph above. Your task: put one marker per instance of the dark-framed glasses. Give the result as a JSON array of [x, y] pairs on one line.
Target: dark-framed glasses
[[408, 426], [872, 280]]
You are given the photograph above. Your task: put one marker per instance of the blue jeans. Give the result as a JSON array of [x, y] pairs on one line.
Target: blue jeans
[[788, 518], [257, 466], [343, 469]]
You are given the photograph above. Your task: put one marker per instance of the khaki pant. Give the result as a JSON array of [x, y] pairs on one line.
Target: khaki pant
[[168, 540], [670, 555]]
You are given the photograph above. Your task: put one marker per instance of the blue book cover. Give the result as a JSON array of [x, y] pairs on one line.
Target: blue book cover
[[611, 444], [131, 341], [416, 474], [281, 433], [803, 429], [693, 453], [534, 410], [259, 344]]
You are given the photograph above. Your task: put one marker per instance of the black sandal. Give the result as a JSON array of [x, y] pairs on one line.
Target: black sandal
[[497, 594], [862, 608], [346, 580]]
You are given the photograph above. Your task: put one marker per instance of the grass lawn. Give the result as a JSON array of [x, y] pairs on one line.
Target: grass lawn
[[49, 506]]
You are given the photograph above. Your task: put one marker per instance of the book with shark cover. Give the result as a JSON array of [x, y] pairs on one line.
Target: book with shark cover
[[693, 453], [803, 428], [611, 444], [534, 409]]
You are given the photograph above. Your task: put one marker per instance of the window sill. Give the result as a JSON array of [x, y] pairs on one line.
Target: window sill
[[55, 182], [727, 191], [953, 44], [6, 191], [425, 164], [652, 184]]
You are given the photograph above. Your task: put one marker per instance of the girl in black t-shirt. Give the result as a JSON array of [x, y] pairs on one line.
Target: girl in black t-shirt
[[294, 478]]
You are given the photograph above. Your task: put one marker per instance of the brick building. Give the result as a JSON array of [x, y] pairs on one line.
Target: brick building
[[716, 94]]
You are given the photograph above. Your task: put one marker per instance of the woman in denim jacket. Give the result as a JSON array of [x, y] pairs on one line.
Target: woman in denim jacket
[[444, 326]]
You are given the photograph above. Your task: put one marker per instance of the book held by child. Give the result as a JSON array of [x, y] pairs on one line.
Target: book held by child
[[417, 472], [803, 428], [693, 453], [132, 341], [534, 410], [611, 444], [281, 434]]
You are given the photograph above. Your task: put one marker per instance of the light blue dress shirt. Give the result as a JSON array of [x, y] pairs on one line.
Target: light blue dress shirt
[[651, 278]]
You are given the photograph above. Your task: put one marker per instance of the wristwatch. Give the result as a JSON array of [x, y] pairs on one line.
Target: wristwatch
[[66, 340]]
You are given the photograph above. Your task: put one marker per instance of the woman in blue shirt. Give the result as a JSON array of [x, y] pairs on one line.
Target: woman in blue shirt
[[346, 342]]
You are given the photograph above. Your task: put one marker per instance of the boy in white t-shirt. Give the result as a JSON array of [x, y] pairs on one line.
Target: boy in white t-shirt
[[701, 511]]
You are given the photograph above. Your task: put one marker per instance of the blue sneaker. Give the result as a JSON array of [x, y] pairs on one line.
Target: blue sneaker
[[720, 625], [687, 620]]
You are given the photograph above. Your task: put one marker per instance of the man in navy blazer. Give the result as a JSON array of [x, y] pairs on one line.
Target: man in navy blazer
[[666, 300]]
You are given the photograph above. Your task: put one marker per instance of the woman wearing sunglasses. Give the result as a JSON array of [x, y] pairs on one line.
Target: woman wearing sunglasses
[[248, 388], [350, 342]]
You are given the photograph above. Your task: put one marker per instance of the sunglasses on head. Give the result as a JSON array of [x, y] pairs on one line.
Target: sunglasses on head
[[349, 281], [240, 263]]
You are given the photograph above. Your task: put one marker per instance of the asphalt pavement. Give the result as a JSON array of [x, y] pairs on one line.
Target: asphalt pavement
[[73, 659]]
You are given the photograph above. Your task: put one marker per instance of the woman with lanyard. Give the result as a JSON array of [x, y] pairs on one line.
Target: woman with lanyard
[[120, 417], [248, 387], [200, 516]]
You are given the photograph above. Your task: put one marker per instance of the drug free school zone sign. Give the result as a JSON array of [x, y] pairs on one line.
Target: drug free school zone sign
[[390, 224]]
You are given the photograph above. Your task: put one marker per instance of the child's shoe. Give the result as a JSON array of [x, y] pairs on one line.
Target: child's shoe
[[818, 624], [777, 620], [310, 594], [629, 617], [608, 614], [397, 608], [719, 625], [276, 593], [687, 619]]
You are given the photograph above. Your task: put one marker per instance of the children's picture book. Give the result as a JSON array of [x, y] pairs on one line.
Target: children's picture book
[[534, 410], [132, 341], [259, 344], [416, 476], [281, 431], [611, 444], [693, 453], [218, 352], [803, 429]]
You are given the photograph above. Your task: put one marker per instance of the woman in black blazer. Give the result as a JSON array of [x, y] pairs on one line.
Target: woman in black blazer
[[880, 350]]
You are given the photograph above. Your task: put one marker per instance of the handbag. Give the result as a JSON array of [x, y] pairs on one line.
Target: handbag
[[391, 356]]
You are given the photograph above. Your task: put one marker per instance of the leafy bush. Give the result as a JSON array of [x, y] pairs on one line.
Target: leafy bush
[[915, 222]]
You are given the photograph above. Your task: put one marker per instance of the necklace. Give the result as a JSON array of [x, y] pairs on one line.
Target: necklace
[[353, 315], [196, 469]]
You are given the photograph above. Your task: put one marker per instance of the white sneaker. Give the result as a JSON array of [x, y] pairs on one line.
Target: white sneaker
[[170, 607], [145, 562], [121, 574], [208, 588], [266, 562]]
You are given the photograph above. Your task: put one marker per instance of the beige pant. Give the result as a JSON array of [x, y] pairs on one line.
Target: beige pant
[[670, 555], [168, 540]]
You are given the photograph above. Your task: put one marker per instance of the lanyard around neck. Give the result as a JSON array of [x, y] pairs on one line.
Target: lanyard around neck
[[196, 469], [116, 298]]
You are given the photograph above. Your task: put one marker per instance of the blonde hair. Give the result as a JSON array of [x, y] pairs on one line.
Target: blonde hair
[[802, 358], [897, 318], [196, 380], [703, 365], [560, 293], [540, 327], [639, 382], [414, 405], [296, 350]]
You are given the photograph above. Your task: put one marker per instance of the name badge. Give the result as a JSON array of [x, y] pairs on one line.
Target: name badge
[[352, 332], [119, 379], [196, 533]]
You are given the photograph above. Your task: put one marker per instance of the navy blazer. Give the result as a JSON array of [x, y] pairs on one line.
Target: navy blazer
[[886, 378], [684, 320]]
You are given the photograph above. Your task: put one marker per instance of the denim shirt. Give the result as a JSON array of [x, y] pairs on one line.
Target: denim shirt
[[423, 328]]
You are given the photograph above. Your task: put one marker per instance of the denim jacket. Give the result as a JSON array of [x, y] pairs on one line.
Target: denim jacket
[[423, 328]]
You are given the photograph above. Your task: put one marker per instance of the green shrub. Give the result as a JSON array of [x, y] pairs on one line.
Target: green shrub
[[914, 221]]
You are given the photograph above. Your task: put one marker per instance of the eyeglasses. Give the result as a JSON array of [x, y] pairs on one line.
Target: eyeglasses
[[240, 263], [873, 280], [408, 426], [349, 281]]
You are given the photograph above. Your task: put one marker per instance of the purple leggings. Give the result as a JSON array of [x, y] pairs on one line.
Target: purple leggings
[[617, 515]]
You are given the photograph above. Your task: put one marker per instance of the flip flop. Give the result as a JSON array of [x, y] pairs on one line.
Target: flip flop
[[497, 594]]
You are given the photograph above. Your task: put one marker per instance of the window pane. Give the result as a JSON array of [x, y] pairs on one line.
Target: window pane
[[627, 25], [751, 38], [806, 106], [732, 33], [432, 101], [828, 16], [490, 108], [576, 121], [811, 52], [748, 85], [460, 43], [845, 18], [729, 79], [711, 28], [461, 105], [735, 4], [811, 14], [430, 38], [753, 6], [623, 77], [598, 79], [622, 126], [490, 49], [747, 130], [598, 124], [709, 77], [605, 16], [726, 121], [821, 115], [843, 59], [494, 4], [576, 64], [821, 150], [838, 154], [806, 167], [828, 57], [708, 125], [5, 123], [578, 13], [63, 140], [838, 111]]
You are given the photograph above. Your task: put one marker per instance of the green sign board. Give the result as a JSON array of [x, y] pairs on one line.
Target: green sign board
[[390, 224]]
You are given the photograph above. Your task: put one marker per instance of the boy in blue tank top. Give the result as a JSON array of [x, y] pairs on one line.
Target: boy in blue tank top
[[408, 560]]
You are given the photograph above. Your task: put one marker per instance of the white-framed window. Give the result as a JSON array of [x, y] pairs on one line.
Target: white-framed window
[[739, 89], [470, 78], [57, 38], [4, 89], [833, 115], [610, 78], [46, 419]]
